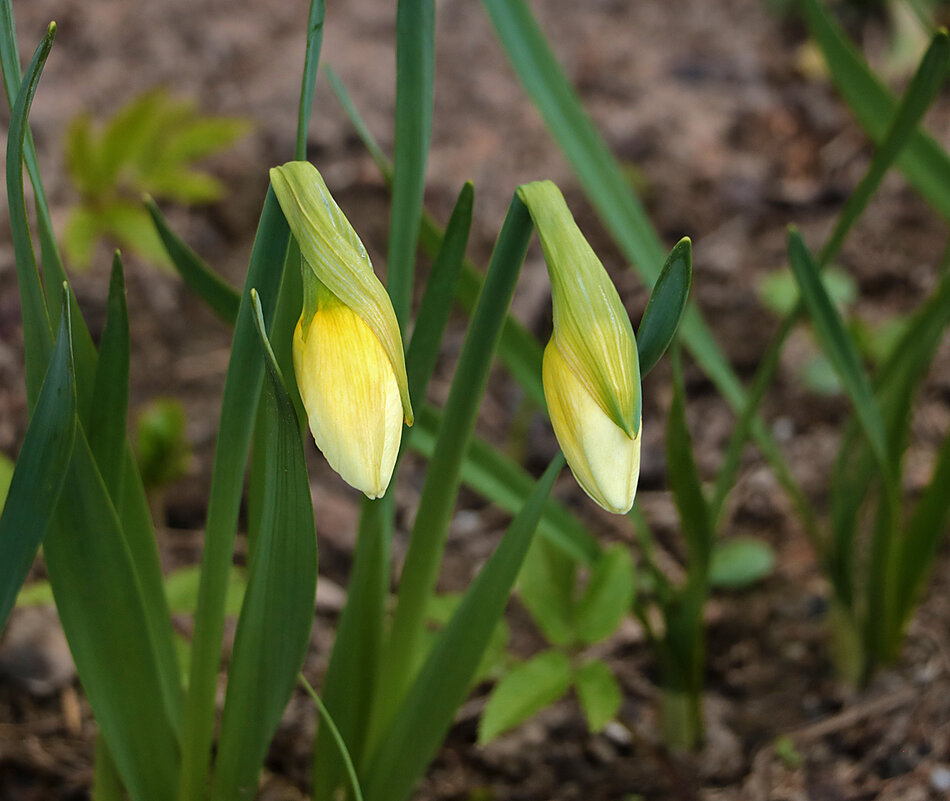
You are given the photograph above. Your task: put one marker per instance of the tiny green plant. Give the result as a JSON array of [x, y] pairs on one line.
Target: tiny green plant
[[150, 145]]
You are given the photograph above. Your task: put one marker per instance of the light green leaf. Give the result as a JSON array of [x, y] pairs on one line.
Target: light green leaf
[[779, 291], [739, 562], [599, 694], [607, 597], [546, 588], [523, 692], [181, 590]]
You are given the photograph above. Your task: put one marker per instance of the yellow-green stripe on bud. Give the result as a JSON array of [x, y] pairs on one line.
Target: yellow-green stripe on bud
[[591, 370], [347, 348]]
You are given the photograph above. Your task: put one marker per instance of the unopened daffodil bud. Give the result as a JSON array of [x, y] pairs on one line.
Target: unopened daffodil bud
[[347, 348], [591, 371]]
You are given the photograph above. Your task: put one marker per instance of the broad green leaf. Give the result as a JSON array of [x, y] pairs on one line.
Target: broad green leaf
[[819, 376], [84, 227], [739, 562], [684, 481], [181, 590], [217, 293], [183, 185], [39, 474], [242, 390], [107, 625], [162, 448], [273, 630], [546, 588], [607, 597], [133, 229], [599, 694], [110, 396], [666, 306], [407, 746], [415, 62], [106, 782], [523, 692], [83, 156], [924, 162], [203, 136], [443, 474]]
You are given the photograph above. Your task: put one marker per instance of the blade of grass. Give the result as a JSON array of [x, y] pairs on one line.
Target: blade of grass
[[445, 678], [238, 409], [415, 56], [273, 629], [39, 474], [443, 475], [350, 683], [924, 163]]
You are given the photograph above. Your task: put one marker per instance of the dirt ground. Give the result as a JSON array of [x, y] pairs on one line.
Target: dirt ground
[[731, 141]]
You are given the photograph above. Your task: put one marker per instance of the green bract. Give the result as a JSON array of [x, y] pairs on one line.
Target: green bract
[[335, 254]]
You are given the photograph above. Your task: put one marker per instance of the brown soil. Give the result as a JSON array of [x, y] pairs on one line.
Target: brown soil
[[732, 142]]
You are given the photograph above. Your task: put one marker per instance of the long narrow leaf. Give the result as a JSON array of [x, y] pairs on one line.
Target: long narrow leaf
[[415, 57], [110, 406], [924, 163], [38, 475], [665, 308], [238, 409], [425, 715], [274, 626], [217, 293], [311, 62]]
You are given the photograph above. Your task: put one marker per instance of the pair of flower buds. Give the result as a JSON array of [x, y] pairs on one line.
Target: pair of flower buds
[[351, 370]]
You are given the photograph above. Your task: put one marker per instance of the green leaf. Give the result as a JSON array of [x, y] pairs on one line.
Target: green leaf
[[217, 293], [311, 62], [162, 448], [838, 345], [132, 228], [203, 136], [924, 163], [273, 630], [443, 475], [343, 751], [83, 230], [666, 306], [523, 692], [779, 291], [599, 694], [6, 475], [37, 335], [37, 479], [546, 588], [420, 725], [607, 597], [83, 156], [684, 481], [110, 396], [183, 185], [107, 625], [181, 590], [740, 562], [415, 58], [242, 390]]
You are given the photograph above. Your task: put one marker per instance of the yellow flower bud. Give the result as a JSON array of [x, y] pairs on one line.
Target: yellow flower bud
[[591, 370], [347, 348]]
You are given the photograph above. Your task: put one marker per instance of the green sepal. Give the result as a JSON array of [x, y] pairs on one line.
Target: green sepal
[[335, 254]]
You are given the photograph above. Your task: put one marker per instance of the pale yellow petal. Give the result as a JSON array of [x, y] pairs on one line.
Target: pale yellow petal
[[352, 398], [603, 458]]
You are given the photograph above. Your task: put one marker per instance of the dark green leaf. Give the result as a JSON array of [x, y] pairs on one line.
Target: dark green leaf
[[38, 477], [273, 630], [666, 306]]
